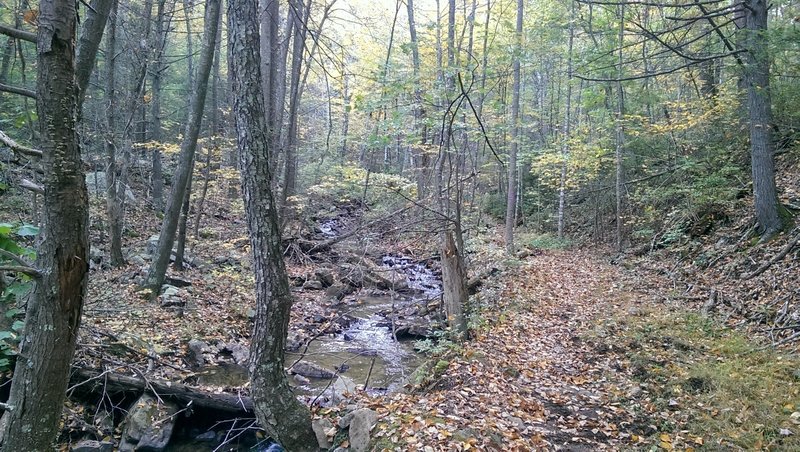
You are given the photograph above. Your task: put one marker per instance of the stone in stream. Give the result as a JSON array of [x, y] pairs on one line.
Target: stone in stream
[[311, 370], [149, 425], [321, 428], [338, 291], [88, 445]]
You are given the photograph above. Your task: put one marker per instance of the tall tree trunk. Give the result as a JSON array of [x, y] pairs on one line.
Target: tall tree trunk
[[94, 23], [113, 202], [54, 313], [420, 156], [180, 246], [278, 411], [759, 105], [620, 132], [155, 276], [562, 189], [511, 204], [155, 109]]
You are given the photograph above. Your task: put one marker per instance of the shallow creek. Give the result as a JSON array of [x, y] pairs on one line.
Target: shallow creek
[[366, 352]]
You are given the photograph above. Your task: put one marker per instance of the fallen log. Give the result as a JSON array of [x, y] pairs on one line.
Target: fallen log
[[103, 382]]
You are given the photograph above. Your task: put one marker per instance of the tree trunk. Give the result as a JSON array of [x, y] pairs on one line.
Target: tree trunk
[[454, 285], [419, 155], [759, 105], [562, 189], [180, 247], [155, 276], [278, 411], [155, 109], [54, 313], [511, 204], [113, 202], [94, 23], [620, 133]]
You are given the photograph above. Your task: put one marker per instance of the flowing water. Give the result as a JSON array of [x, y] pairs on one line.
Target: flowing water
[[366, 352]]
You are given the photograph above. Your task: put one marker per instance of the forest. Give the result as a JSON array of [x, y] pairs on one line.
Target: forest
[[399, 225]]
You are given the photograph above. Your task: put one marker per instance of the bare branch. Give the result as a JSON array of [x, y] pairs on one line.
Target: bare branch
[[18, 148], [19, 34], [32, 186], [16, 90]]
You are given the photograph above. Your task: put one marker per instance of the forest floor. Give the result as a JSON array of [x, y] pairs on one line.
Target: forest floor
[[571, 349], [572, 354]]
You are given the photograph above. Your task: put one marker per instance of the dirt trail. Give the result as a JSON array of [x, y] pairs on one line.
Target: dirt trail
[[539, 375]]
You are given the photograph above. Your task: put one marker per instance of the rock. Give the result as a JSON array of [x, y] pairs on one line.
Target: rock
[[149, 425], [338, 291], [138, 260], [168, 290], [414, 329], [152, 244], [312, 285], [240, 353], [325, 277], [310, 370], [321, 428], [88, 445], [208, 436], [634, 391], [361, 423], [341, 387], [197, 349], [301, 380]]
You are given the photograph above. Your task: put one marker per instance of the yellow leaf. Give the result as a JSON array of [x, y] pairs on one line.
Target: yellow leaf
[[698, 440], [665, 437], [665, 445]]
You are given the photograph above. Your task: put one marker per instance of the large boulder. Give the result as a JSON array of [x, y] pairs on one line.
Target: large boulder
[[149, 425]]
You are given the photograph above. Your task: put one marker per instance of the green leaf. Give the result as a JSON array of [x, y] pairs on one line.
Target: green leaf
[[18, 325], [6, 228], [7, 335], [13, 312], [28, 230]]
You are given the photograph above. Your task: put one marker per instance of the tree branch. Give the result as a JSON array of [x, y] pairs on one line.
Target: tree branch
[[16, 90], [18, 148], [32, 186], [19, 34]]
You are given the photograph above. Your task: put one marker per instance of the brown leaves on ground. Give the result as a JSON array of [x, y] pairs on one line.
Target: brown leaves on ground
[[529, 380]]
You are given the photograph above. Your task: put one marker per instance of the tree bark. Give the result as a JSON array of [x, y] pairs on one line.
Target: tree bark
[[562, 190], [54, 313], [94, 23], [759, 104], [620, 133], [511, 203], [157, 175], [283, 417], [114, 202], [158, 269]]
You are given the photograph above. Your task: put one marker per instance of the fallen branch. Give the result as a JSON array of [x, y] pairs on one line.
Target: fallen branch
[[792, 243], [230, 403], [18, 148]]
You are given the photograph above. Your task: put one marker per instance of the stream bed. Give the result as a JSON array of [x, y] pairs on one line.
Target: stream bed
[[366, 353]]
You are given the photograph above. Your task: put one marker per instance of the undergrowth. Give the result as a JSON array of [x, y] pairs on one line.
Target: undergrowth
[[734, 394]]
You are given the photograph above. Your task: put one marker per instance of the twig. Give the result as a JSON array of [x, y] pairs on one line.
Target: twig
[[369, 374], [792, 243]]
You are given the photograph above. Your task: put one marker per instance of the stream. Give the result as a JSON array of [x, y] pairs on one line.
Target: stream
[[366, 353]]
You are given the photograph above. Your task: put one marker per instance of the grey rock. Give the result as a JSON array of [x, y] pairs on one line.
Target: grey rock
[[338, 291], [239, 352], [149, 425], [325, 277], [169, 290], [209, 436], [88, 445], [321, 427], [197, 349], [312, 285], [361, 424], [301, 380], [310, 370], [138, 260], [343, 386]]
